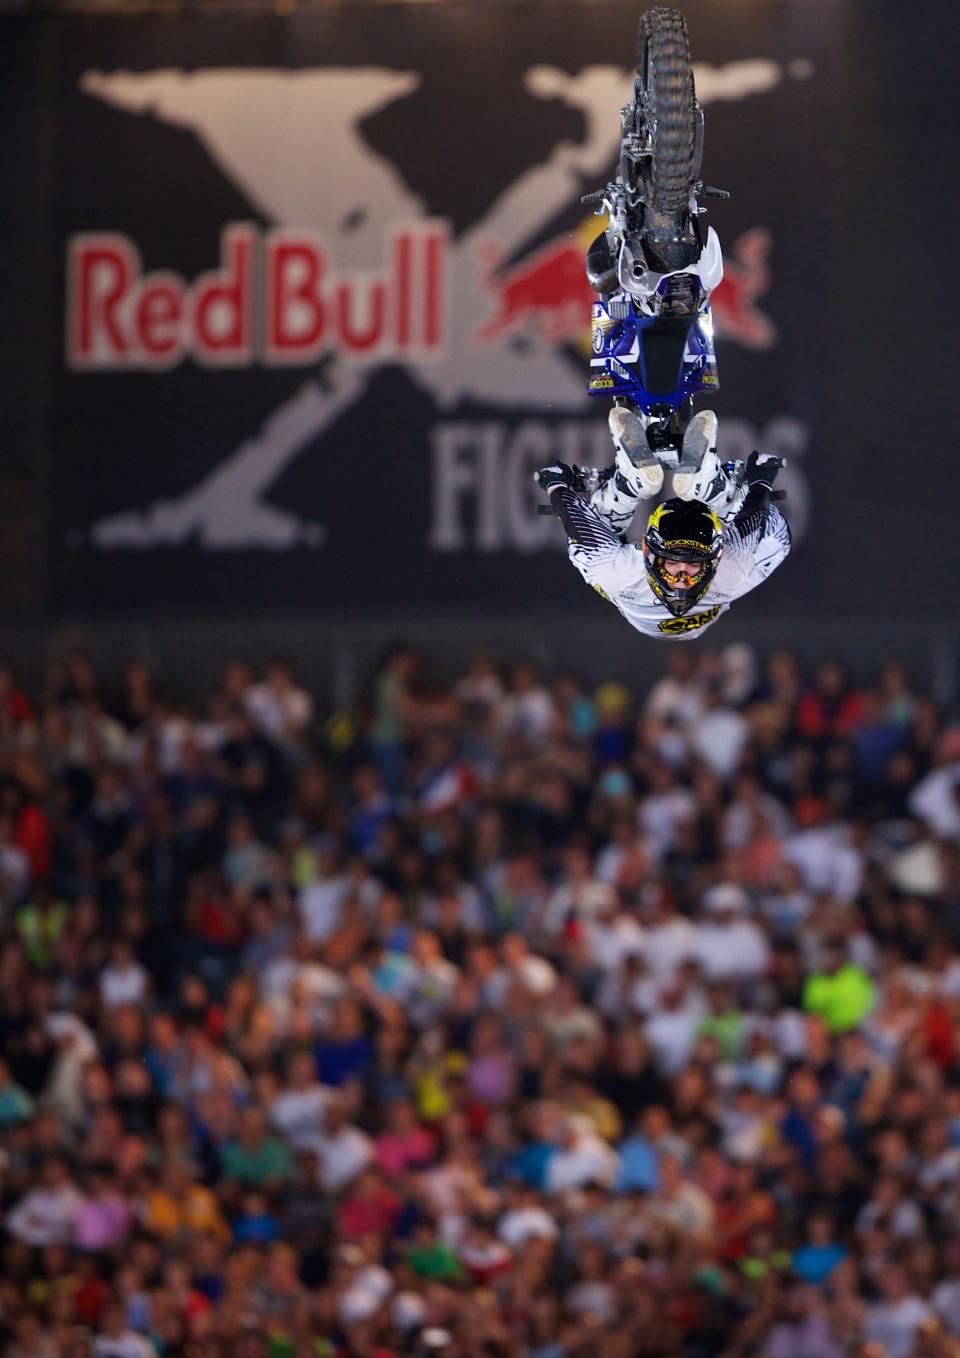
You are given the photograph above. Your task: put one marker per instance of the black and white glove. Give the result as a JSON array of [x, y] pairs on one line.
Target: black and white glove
[[559, 475], [761, 472]]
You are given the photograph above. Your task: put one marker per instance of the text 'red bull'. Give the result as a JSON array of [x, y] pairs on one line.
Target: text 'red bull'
[[275, 299]]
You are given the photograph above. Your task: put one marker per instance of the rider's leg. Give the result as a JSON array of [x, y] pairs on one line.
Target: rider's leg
[[700, 475], [635, 458], [636, 474]]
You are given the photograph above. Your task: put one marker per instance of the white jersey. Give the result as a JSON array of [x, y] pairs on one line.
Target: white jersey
[[754, 545]]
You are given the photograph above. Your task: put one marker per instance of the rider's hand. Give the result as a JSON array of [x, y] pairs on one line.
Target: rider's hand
[[557, 476], [761, 470]]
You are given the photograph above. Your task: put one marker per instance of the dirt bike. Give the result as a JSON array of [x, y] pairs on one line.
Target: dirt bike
[[653, 265]]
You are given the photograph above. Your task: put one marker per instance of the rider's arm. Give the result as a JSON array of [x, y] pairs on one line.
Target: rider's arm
[[584, 526], [756, 542], [601, 557]]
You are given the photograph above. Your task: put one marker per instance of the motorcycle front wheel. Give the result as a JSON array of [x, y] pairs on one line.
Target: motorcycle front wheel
[[669, 118]]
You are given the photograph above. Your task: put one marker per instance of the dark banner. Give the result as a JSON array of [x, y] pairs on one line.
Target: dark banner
[[319, 305]]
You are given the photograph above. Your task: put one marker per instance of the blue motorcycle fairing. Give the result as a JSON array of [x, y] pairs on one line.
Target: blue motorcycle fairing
[[653, 360]]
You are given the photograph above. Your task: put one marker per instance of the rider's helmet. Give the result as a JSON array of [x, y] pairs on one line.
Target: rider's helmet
[[682, 531]]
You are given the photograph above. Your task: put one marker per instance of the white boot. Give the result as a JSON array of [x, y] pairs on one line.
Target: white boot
[[700, 475], [699, 465], [636, 460], [636, 474]]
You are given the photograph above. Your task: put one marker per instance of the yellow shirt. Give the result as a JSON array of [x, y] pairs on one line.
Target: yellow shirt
[[197, 1213]]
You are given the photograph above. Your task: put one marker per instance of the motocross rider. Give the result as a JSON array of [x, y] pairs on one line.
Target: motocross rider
[[715, 541]]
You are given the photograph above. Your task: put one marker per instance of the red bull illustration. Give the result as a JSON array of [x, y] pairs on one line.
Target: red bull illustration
[[548, 291]]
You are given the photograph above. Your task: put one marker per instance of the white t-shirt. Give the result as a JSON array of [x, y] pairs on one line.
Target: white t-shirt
[[365, 1294], [533, 973], [127, 1345], [894, 1324], [934, 802], [298, 1114], [318, 983], [906, 1219], [279, 713], [610, 941], [718, 738], [124, 985], [946, 1303], [676, 700], [343, 1155], [729, 950], [589, 1160], [688, 1210], [320, 905], [521, 1224], [671, 1034], [661, 816], [430, 989], [592, 1296], [46, 1216], [529, 714], [668, 944], [826, 860]]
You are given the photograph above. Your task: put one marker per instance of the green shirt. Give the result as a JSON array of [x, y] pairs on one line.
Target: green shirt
[[727, 1029], [842, 1000], [41, 931], [434, 1261], [388, 691], [269, 1160], [16, 1105]]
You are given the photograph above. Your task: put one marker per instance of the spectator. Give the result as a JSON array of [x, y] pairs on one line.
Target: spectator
[[894, 1319], [47, 1213], [841, 992], [820, 1254], [727, 943], [103, 1220], [255, 1158], [281, 709]]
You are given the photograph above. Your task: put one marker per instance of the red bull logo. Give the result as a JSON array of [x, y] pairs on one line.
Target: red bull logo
[[277, 298], [547, 293]]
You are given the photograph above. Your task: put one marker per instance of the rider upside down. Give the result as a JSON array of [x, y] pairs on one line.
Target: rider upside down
[[712, 543]]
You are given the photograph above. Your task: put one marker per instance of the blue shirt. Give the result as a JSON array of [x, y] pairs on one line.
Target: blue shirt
[[338, 1062], [814, 1263], [531, 1164], [639, 1166]]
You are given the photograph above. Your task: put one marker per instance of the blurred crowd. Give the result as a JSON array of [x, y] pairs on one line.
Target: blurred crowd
[[497, 1017]]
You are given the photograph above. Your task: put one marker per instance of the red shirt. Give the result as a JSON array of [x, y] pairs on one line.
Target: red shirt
[[33, 837], [375, 1214]]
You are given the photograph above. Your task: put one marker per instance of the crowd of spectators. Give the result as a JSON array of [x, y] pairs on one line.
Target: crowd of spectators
[[495, 1017]]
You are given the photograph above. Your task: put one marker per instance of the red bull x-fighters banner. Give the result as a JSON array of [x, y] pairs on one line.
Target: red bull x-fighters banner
[[318, 308]]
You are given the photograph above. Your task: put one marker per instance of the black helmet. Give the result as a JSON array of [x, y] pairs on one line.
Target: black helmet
[[682, 530]]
